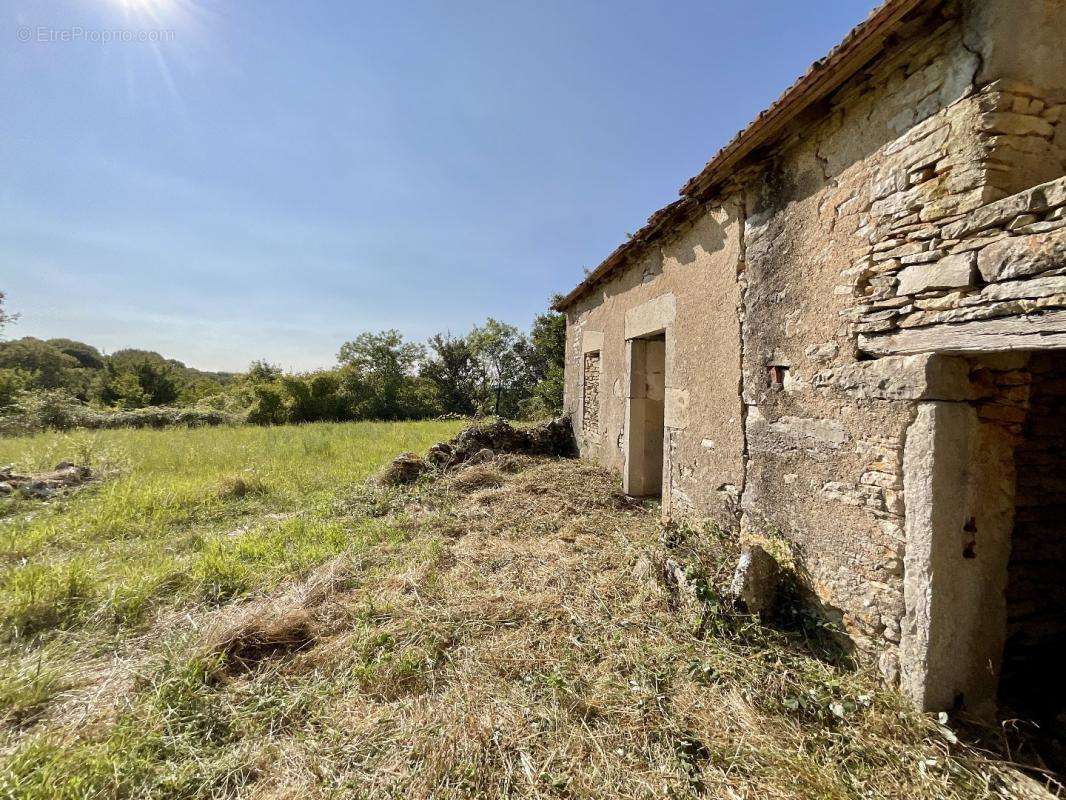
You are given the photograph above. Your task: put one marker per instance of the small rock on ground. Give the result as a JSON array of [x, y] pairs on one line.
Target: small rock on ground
[[755, 582]]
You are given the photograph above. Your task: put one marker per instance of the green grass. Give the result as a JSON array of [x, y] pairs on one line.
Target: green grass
[[181, 519], [236, 613], [191, 516]]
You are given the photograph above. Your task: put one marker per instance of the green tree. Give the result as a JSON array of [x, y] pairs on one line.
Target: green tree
[[12, 382], [546, 359], [6, 318], [268, 406], [454, 373], [136, 380], [122, 390], [500, 352], [262, 371], [49, 368], [157, 381], [384, 364], [85, 354], [315, 397]]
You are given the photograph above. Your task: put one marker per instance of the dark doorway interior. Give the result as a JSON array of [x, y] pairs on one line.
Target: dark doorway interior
[[1032, 685]]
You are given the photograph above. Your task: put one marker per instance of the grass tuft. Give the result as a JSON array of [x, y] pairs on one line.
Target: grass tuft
[[236, 487]]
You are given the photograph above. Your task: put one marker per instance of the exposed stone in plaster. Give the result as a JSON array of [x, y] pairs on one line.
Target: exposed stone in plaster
[[820, 431], [590, 404], [676, 411]]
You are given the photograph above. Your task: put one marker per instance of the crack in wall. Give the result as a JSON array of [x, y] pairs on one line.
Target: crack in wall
[[742, 285], [974, 50]]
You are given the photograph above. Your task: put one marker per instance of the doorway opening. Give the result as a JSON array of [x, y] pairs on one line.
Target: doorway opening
[[643, 473], [985, 574], [1034, 650]]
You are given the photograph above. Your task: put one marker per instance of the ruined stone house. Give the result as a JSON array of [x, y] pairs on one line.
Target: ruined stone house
[[850, 330]]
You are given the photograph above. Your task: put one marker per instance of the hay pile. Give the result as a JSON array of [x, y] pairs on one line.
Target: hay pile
[[524, 642]]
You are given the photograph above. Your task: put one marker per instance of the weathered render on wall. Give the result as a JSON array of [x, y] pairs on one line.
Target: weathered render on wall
[[686, 288], [898, 230]]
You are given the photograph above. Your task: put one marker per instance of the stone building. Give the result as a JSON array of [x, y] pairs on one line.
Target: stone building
[[850, 330]]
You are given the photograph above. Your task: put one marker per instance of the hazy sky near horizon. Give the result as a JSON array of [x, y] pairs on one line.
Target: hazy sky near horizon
[[270, 178]]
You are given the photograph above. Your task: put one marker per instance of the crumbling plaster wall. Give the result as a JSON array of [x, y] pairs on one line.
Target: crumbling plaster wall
[[825, 451], [687, 287]]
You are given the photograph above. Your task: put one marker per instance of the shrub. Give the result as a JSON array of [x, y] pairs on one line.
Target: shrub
[[12, 382], [55, 409]]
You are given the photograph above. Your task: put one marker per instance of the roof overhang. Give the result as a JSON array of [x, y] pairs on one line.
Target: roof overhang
[[863, 43]]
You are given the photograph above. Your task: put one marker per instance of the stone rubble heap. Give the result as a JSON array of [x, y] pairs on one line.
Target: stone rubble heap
[[45, 485], [479, 443]]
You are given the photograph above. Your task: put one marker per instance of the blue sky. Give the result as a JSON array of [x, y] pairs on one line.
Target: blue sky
[[274, 177]]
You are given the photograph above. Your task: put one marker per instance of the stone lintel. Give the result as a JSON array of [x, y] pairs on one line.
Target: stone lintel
[[652, 317], [591, 341], [925, 376]]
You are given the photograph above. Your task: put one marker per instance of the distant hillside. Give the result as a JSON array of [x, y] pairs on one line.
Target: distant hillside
[[127, 377]]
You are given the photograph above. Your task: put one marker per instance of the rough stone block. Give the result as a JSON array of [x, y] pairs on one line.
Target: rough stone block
[[755, 582], [953, 272], [926, 376], [1039, 198], [1022, 256], [1016, 124], [822, 431], [1034, 287]]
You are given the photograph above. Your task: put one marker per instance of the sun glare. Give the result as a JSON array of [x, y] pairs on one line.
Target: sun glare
[[150, 9], [144, 5]]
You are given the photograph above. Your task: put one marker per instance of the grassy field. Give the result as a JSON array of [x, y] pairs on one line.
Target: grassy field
[[181, 518], [237, 613]]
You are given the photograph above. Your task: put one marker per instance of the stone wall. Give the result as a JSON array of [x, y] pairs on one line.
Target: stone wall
[[967, 282], [817, 306], [825, 451]]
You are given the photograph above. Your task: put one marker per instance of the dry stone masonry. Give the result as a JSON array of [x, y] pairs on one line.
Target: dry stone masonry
[[590, 418], [858, 316]]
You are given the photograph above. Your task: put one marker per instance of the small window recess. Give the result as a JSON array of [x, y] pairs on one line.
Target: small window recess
[[777, 374]]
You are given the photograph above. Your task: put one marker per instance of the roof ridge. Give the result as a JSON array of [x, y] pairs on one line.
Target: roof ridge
[[862, 43]]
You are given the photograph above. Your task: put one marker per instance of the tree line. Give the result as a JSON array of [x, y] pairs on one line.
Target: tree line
[[495, 368]]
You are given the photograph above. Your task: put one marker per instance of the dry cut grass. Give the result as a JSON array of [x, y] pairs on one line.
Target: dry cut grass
[[516, 641]]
